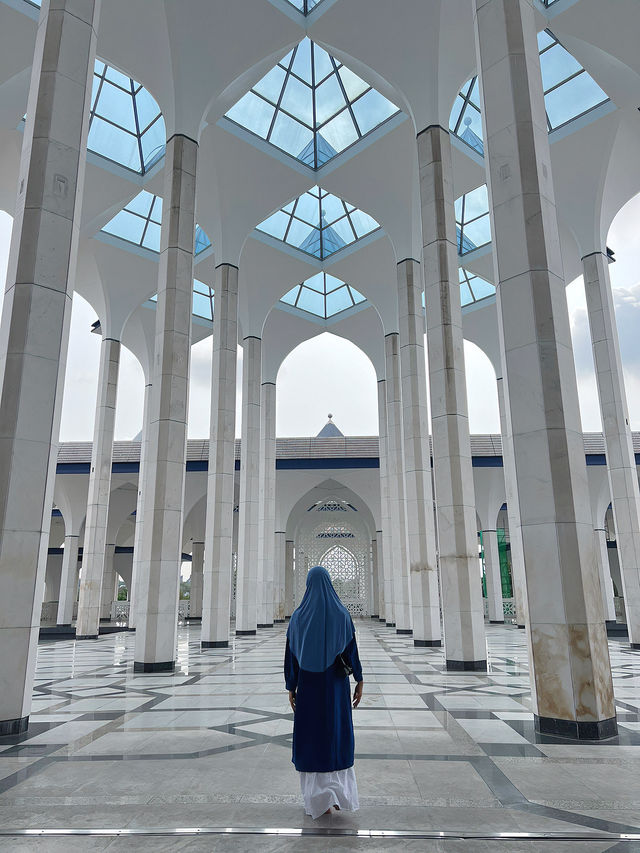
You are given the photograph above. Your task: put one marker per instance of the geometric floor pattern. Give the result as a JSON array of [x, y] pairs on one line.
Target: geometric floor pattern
[[210, 746]]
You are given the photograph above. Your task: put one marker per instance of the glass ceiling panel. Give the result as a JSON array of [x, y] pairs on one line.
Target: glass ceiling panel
[[310, 105], [569, 92], [305, 6], [139, 223], [319, 223], [202, 300], [323, 295], [473, 227], [473, 288]]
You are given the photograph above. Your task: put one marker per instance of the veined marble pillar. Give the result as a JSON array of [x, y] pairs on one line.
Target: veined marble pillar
[[280, 538], [492, 575], [247, 595], [108, 583], [159, 570], [288, 578], [465, 646], [94, 556], [396, 487], [68, 580], [271, 607], [571, 675], [386, 597], [142, 491], [606, 583], [195, 597], [621, 463], [380, 579], [34, 330], [425, 601], [218, 548], [513, 510], [374, 578]]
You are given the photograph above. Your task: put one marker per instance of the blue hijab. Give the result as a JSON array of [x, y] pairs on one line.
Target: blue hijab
[[320, 627]]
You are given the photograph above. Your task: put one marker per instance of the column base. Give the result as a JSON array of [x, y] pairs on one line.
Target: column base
[[407, 631], [634, 645], [131, 629], [193, 619], [154, 666], [390, 624], [428, 644], [521, 627], [279, 621], [14, 727], [496, 621], [86, 636], [214, 644], [63, 625], [577, 730], [245, 633], [105, 618], [375, 616], [383, 620], [467, 665], [263, 625]]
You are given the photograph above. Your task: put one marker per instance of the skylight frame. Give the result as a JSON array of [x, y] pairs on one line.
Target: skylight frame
[[199, 289], [328, 289], [466, 279], [304, 6], [462, 223]]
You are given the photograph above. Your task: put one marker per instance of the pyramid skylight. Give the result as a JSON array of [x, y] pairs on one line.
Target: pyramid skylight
[[472, 220], [139, 223], [323, 295], [202, 300], [319, 223], [569, 92], [304, 6], [473, 288], [311, 106]]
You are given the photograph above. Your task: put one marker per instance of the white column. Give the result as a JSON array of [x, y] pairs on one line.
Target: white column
[[159, 570], [425, 602], [396, 488], [247, 579], [380, 578], [218, 545], [571, 676], [386, 598], [288, 578], [606, 583], [142, 491], [195, 597], [267, 568], [465, 646], [621, 462], [374, 578], [492, 575], [68, 580], [513, 512], [35, 328], [280, 538], [94, 557], [108, 583]]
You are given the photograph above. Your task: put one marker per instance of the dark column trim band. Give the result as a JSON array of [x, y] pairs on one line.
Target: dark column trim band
[[14, 727], [496, 621], [154, 666], [282, 532], [86, 636], [407, 631], [251, 337], [184, 136], [269, 381], [214, 644], [467, 665], [429, 644], [388, 335], [224, 264], [577, 729], [390, 624], [404, 260], [432, 127], [246, 633], [264, 625], [593, 254]]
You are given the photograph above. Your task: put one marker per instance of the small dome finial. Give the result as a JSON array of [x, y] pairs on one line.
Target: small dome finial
[[468, 121], [329, 415]]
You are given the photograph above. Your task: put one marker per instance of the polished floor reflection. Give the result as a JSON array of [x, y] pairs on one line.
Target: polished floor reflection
[[209, 746]]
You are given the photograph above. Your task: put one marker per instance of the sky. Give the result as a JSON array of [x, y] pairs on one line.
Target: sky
[[329, 374]]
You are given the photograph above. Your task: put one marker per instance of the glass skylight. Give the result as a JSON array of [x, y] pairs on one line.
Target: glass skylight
[[311, 106], [569, 92], [125, 123], [318, 223], [323, 295], [139, 223], [473, 288], [202, 300], [472, 220], [305, 6]]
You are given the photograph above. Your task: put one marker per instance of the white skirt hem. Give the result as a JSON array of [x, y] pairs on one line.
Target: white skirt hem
[[321, 791]]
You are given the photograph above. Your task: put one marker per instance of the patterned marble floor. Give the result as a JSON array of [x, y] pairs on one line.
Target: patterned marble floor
[[211, 745]]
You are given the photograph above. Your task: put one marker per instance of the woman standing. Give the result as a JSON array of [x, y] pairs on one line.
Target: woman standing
[[321, 653]]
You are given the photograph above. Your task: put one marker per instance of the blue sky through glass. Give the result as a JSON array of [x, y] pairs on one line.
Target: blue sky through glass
[[473, 288], [202, 300], [139, 223], [472, 220], [311, 106], [569, 92], [305, 6], [318, 223], [323, 295]]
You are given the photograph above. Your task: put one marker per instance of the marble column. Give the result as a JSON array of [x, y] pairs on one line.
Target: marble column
[[492, 575], [247, 594], [621, 463], [68, 580], [288, 578], [35, 328], [94, 558], [513, 510], [571, 676], [606, 582], [374, 578], [280, 538], [386, 598], [380, 578], [108, 584], [465, 646], [425, 601], [195, 597], [159, 570], [396, 486], [142, 491], [268, 578], [218, 545]]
